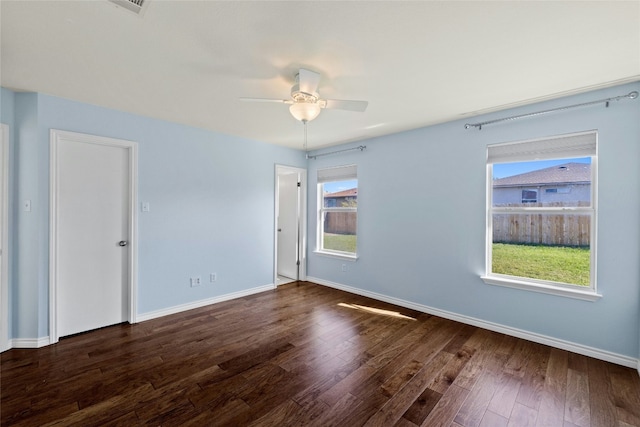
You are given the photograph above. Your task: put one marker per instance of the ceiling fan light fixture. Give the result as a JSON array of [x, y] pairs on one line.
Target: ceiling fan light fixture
[[305, 111]]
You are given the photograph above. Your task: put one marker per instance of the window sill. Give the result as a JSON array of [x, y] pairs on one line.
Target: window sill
[[510, 282], [349, 257]]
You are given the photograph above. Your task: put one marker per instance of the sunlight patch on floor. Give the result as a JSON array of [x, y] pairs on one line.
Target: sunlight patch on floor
[[375, 310]]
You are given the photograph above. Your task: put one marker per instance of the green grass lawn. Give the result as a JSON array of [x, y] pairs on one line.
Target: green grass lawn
[[554, 263], [340, 242]]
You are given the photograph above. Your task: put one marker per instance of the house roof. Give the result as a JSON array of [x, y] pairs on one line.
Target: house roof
[[567, 173], [352, 192]]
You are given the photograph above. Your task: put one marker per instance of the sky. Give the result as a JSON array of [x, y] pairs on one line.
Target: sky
[[333, 187], [502, 170]]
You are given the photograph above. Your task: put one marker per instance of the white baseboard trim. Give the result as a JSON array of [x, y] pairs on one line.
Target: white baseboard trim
[[201, 303], [29, 342], [507, 330], [44, 341]]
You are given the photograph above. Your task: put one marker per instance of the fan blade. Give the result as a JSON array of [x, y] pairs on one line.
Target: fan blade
[[342, 104], [282, 101], [308, 81]]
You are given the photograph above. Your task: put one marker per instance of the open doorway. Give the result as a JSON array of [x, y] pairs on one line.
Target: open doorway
[[290, 225]]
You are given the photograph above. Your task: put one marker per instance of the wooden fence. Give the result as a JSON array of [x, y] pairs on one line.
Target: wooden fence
[[340, 222], [542, 229]]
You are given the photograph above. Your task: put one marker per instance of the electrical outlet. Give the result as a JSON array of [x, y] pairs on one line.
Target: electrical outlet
[[213, 277], [195, 281], [344, 267]]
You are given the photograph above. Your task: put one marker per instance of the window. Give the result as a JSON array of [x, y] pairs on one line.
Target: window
[[337, 211], [529, 196], [559, 190], [543, 240]]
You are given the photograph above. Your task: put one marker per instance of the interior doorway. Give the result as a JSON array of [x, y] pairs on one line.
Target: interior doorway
[[93, 182], [290, 225]]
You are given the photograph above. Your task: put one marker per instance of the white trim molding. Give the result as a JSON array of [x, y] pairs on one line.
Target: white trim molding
[[30, 342], [495, 327], [530, 285], [202, 303], [5, 342]]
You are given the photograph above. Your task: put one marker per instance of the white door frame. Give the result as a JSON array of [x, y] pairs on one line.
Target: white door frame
[[4, 214], [132, 147], [302, 221]]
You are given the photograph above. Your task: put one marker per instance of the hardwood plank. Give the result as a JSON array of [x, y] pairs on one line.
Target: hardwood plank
[[552, 403], [400, 402], [459, 340], [363, 378], [534, 376], [427, 347], [445, 411], [486, 341], [307, 355], [403, 422], [279, 415], [504, 398], [105, 411], [576, 410], [523, 416], [400, 378], [519, 358], [327, 381], [422, 406], [625, 384], [578, 362], [450, 372], [473, 409], [491, 419]]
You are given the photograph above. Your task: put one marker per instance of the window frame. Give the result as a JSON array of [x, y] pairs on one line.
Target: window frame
[[545, 286], [350, 173]]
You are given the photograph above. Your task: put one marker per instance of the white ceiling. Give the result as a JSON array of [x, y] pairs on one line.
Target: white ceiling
[[417, 63]]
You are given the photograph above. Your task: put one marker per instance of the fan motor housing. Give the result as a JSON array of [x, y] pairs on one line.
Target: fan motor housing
[[300, 96]]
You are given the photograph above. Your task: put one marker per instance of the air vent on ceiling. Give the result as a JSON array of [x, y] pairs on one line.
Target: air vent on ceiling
[[135, 6]]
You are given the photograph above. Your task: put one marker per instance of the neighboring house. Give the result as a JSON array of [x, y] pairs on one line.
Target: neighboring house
[[341, 222], [568, 183], [340, 199]]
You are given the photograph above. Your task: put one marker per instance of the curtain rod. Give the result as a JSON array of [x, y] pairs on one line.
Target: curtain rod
[[631, 95], [315, 156]]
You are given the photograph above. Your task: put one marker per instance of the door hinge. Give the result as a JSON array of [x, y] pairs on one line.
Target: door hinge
[[298, 184], [298, 262]]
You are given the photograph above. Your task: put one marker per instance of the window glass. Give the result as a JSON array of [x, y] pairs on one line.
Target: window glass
[[548, 247], [542, 215], [338, 215]]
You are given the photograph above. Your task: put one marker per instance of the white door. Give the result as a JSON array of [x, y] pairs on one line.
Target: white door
[[92, 214], [4, 285], [288, 225]]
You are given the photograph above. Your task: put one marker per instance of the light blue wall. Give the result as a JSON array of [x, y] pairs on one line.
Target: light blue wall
[[211, 197], [421, 223]]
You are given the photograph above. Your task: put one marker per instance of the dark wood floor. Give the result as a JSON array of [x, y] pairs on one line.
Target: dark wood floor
[[309, 355]]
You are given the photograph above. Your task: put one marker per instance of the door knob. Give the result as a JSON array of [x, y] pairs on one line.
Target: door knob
[[123, 243], [279, 229]]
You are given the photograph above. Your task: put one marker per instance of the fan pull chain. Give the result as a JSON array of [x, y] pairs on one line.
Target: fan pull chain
[[305, 135]]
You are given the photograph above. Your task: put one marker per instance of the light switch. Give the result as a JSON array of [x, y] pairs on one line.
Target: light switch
[[145, 207], [27, 205]]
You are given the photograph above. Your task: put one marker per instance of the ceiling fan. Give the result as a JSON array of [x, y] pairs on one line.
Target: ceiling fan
[[305, 103]]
